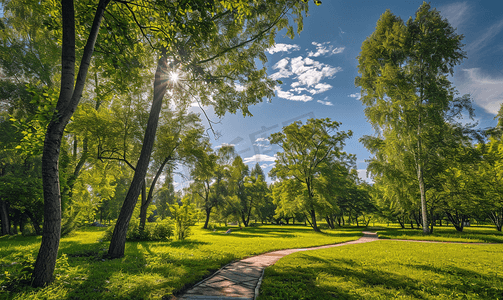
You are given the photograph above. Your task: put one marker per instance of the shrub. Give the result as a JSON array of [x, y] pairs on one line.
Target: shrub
[[184, 216], [156, 231]]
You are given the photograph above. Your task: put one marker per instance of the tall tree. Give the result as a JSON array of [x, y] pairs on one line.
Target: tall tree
[[214, 52], [307, 149], [404, 85]]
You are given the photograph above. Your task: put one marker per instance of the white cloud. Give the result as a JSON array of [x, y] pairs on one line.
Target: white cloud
[[283, 71], [325, 49], [259, 157], [262, 139], [456, 13], [310, 72], [328, 103], [265, 166], [307, 75], [355, 95], [486, 91], [283, 48], [320, 88], [224, 145], [290, 96], [488, 35]]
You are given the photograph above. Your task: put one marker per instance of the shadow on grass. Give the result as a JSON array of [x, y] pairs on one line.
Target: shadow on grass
[[444, 233], [188, 244], [468, 281], [303, 282]]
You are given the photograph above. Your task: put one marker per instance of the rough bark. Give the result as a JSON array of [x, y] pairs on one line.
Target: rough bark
[[118, 242], [69, 98]]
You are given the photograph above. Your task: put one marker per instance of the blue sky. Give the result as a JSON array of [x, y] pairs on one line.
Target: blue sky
[[319, 66]]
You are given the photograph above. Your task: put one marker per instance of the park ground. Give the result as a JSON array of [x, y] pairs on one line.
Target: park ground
[[378, 270]]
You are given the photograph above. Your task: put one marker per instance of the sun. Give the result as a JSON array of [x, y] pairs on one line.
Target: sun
[[174, 77]]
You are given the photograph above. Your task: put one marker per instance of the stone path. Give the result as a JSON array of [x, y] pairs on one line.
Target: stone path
[[241, 280]]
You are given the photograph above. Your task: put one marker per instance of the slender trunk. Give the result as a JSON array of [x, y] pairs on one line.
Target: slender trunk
[[422, 190], [208, 211], [143, 207], [497, 219], [432, 221], [69, 98], [146, 202], [4, 217], [118, 242], [313, 220], [456, 220]]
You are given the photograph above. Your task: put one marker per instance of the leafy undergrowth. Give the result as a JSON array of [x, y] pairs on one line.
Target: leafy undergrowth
[[149, 270], [388, 270], [444, 233]]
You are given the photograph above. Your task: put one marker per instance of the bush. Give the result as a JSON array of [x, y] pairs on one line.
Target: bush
[[158, 231], [184, 216]]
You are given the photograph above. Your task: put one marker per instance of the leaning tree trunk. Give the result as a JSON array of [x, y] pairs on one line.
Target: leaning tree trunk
[[118, 242], [69, 98]]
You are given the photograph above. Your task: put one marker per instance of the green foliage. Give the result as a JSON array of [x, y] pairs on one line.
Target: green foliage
[[184, 216], [411, 104], [154, 231], [310, 152]]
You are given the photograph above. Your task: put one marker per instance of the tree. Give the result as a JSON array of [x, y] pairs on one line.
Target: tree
[[405, 88], [307, 149], [214, 63]]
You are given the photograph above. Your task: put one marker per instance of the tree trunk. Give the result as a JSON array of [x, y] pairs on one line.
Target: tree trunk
[[208, 211], [4, 217], [313, 220], [69, 98], [432, 221], [422, 191], [118, 242], [456, 220], [146, 202], [143, 207], [497, 219]]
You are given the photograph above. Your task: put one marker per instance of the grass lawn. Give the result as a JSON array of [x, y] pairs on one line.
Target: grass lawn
[[149, 270], [475, 234], [388, 270]]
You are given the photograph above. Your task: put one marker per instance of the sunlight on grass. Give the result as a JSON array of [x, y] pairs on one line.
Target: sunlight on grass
[[151, 270], [388, 270]]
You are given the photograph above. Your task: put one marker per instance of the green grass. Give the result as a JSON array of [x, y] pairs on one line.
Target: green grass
[[388, 270], [149, 270], [479, 234]]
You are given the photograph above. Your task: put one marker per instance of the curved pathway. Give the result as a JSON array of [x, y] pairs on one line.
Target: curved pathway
[[240, 280]]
